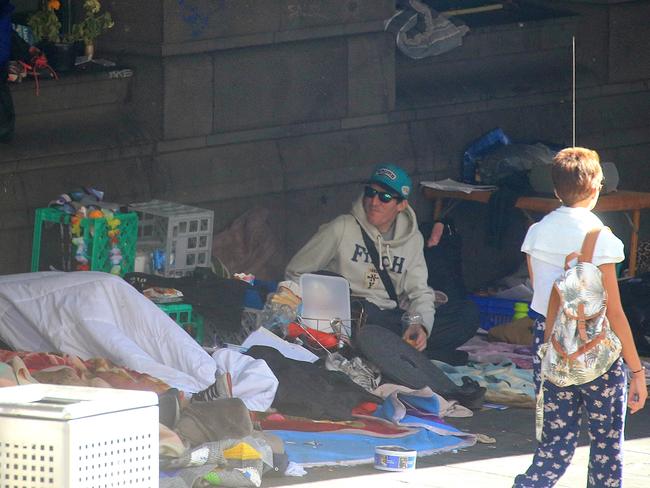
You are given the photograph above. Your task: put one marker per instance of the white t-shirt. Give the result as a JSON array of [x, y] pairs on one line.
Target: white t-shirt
[[558, 234]]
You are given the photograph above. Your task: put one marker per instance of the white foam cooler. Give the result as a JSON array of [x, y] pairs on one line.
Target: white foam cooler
[[54, 436]]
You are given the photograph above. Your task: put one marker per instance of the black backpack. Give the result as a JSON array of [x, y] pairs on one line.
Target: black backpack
[[635, 297], [444, 261]]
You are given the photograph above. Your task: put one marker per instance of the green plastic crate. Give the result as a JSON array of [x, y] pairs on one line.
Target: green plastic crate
[[95, 233], [183, 316]]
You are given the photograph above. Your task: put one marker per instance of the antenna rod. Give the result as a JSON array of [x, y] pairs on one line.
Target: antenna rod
[[573, 89]]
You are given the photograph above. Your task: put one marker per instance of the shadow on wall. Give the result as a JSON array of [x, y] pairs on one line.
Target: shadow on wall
[[250, 245]]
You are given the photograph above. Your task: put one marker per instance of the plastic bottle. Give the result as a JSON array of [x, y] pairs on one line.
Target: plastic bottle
[[410, 319]]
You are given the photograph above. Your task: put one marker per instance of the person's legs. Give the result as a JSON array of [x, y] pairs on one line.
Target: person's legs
[[605, 401], [453, 325], [396, 360], [388, 319], [562, 418], [538, 339]]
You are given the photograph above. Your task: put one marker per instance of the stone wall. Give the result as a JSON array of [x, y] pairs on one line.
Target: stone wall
[[285, 105]]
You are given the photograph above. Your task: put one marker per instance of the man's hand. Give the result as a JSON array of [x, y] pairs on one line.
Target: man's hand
[[416, 336]]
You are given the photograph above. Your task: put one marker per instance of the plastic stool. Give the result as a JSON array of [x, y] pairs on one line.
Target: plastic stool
[[182, 315]]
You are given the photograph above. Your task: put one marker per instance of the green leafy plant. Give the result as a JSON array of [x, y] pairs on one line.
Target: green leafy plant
[[45, 23], [93, 23]]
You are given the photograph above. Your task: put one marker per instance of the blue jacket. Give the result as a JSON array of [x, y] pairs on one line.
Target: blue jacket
[[6, 9]]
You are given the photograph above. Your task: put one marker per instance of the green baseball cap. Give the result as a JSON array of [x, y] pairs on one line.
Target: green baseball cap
[[392, 177]]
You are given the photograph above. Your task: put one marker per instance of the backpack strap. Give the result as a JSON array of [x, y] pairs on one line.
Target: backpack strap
[[588, 246], [586, 253], [582, 349], [383, 274]]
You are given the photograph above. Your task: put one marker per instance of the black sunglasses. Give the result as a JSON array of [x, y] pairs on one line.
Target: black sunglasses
[[384, 196]]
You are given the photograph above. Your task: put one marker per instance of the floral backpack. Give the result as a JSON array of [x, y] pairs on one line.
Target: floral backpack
[[582, 346]]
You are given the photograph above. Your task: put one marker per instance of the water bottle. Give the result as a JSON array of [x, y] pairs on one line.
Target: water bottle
[[409, 319]]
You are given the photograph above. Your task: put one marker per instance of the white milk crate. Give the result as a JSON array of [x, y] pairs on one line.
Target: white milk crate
[[179, 237], [54, 436]]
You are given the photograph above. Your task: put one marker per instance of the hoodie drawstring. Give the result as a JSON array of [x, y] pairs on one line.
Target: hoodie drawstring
[[380, 251]]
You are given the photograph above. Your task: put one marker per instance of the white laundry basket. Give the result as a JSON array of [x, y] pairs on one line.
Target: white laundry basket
[[54, 436]]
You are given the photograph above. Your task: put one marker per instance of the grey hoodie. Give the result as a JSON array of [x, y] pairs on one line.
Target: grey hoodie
[[338, 247]]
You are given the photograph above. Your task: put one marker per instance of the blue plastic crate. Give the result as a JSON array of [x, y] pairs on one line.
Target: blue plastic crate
[[494, 311]]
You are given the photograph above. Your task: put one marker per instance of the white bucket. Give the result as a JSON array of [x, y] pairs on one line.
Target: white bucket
[[394, 458]]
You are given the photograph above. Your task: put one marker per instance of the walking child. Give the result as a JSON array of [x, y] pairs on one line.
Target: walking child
[[577, 179]]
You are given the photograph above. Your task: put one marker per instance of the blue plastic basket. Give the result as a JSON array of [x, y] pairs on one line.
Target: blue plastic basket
[[494, 311]]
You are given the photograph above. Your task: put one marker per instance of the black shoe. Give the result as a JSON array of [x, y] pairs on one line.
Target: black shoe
[[471, 394], [169, 409]]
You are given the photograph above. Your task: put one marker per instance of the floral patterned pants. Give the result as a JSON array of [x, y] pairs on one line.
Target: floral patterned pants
[[604, 400]]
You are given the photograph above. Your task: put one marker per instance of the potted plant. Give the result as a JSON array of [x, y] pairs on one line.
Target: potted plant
[[46, 26], [91, 25]]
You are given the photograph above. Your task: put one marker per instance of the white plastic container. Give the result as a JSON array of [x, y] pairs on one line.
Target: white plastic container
[[325, 298], [181, 233], [76, 437]]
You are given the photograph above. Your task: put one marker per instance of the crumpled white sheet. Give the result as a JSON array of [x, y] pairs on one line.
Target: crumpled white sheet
[[92, 314], [252, 380]]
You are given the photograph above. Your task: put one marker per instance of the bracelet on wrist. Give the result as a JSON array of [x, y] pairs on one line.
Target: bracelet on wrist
[[642, 370]]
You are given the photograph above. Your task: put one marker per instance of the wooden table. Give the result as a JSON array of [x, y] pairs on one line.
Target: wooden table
[[620, 201]]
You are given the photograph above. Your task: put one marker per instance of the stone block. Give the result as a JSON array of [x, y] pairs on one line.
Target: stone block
[[344, 156], [280, 85], [218, 173], [305, 13], [155, 26], [613, 113], [371, 74], [13, 202], [188, 103], [136, 24], [121, 181], [308, 209], [16, 258], [147, 96], [629, 31]]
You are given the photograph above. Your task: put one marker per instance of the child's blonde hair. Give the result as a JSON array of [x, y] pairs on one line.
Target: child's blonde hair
[[576, 173]]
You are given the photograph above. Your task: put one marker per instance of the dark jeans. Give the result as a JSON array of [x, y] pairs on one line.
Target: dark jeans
[[454, 324]]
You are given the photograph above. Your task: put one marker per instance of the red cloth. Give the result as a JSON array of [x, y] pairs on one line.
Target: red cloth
[[361, 425]]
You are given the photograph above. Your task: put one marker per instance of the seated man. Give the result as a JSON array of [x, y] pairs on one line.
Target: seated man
[[378, 248]]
